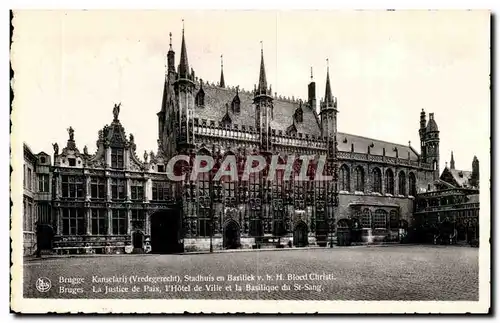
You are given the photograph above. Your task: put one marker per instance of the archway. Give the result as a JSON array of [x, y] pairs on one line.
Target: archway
[[300, 235], [166, 232], [44, 237], [138, 240], [344, 232], [231, 235]]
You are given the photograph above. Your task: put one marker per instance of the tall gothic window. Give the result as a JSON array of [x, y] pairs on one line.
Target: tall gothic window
[[359, 175], [377, 180], [72, 187], [138, 219], [402, 183], [99, 222], [255, 205], [344, 179], [117, 158], [389, 181], [119, 222], [118, 189], [137, 190], [73, 221], [413, 185], [98, 188], [366, 219]]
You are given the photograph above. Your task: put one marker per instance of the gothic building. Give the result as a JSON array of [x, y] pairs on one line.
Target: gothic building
[[449, 211], [114, 201]]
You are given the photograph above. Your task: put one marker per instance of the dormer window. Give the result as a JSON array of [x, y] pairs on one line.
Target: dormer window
[[235, 104], [161, 168], [200, 98], [299, 115], [72, 162]]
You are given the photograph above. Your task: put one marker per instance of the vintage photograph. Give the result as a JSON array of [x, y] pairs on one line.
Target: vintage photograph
[[249, 157]]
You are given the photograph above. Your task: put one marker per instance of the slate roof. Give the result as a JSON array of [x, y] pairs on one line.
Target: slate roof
[[462, 177], [217, 97]]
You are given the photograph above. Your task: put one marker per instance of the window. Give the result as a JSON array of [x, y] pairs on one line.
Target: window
[[402, 183], [98, 188], [377, 180], [118, 189], [161, 191], [42, 160], [359, 175], [255, 201], [380, 219], [161, 168], [73, 222], [138, 219], [412, 182], [137, 190], [278, 224], [119, 222], [72, 187], [344, 178], [389, 182], [117, 158], [366, 219], [30, 187], [204, 223], [99, 222], [200, 98], [43, 183], [72, 162]]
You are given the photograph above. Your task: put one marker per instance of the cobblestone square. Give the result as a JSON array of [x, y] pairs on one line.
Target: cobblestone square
[[351, 273]]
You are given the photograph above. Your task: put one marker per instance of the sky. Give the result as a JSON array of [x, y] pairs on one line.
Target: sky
[[71, 67]]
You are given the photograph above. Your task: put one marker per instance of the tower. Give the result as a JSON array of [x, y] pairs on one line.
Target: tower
[[452, 161], [221, 82], [421, 133], [474, 179], [263, 102], [431, 143], [184, 92], [328, 114]]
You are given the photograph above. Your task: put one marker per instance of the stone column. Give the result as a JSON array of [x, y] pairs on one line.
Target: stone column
[[108, 189], [128, 187], [57, 212], [88, 220], [87, 187], [110, 222], [129, 221], [58, 186], [108, 157]]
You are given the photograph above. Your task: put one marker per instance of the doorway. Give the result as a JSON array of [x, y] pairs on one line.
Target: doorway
[[166, 232], [300, 235], [138, 240], [231, 235]]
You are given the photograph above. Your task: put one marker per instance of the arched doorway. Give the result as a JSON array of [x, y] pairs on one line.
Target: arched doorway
[[138, 240], [231, 235], [300, 235], [166, 232], [44, 237], [343, 232]]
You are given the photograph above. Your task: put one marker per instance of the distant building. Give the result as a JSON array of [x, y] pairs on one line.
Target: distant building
[[449, 211]]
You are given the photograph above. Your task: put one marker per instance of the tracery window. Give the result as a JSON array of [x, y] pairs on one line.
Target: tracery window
[[161, 190], [98, 188], [72, 187], [99, 222], [413, 185], [137, 190], [377, 180], [255, 208], [118, 189], [138, 219], [366, 219], [359, 177], [73, 221], [117, 158], [389, 181], [344, 178], [402, 183], [119, 221], [380, 219]]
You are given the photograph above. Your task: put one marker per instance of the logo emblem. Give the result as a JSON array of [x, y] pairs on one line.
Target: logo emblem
[[43, 284]]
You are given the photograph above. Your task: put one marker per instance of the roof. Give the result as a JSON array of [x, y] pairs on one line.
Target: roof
[[462, 177], [217, 97], [361, 145]]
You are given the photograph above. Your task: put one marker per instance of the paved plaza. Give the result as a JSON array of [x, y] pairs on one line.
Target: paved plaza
[[349, 273]]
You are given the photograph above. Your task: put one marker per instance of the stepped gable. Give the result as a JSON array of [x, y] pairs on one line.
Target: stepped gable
[[216, 99], [361, 144]]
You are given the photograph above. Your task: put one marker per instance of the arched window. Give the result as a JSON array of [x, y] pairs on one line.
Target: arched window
[[366, 219], [402, 183], [389, 181], [344, 178], [377, 180], [200, 98], [359, 177], [413, 185], [235, 104]]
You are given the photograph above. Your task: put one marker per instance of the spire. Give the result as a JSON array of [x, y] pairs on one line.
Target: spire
[[262, 88], [183, 64], [170, 49], [221, 83], [311, 74], [328, 90], [452, 161]]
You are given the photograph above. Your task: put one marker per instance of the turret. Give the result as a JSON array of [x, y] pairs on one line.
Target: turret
[[431, 142], [222, 83], [263, 102], [328, 113], [474, 179], [452, 161], [311, 91], [421, 133]]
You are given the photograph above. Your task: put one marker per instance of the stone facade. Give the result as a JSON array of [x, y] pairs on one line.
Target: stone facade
[[114, 201]]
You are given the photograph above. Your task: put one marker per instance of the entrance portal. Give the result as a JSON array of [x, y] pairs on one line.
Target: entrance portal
[[231, 235], [138, 239], [300, 235], [166, 232]]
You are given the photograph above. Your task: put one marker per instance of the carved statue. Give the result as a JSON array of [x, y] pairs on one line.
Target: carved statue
[[116, 111], [56, 148], [71, 133], [131, 138], [145, 156], [85, 150], [152, 155]]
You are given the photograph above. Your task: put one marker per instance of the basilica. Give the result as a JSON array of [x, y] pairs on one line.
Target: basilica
[[118, 200]]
